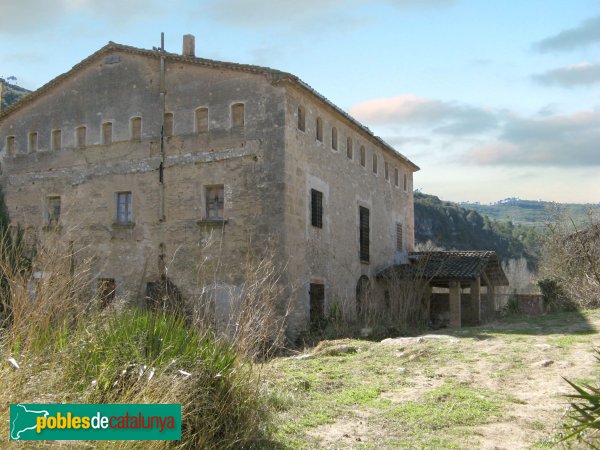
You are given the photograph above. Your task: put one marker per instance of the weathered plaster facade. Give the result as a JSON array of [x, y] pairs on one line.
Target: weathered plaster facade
[[266, 168]]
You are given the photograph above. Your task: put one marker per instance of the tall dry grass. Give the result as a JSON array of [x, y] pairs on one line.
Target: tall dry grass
[[57, 346]]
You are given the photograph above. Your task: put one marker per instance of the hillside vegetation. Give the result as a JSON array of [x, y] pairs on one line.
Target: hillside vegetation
[[531, 212], [11, 93], [451, 226]]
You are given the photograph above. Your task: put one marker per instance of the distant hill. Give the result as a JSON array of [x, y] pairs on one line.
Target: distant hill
[[11, 93], [532, 212], [452, 226]]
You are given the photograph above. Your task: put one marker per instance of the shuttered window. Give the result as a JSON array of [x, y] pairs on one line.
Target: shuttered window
[[237, 115], [81, 133], [56, 139], [364, 233], [107, 133], [316, 208], [136, 128], [317, 302]]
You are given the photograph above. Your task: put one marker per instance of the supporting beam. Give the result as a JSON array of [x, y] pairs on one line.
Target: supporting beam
[[475, 301], [455, 319]]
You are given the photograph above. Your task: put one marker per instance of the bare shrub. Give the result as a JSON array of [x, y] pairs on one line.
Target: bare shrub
[[571, 262], [249, 311]]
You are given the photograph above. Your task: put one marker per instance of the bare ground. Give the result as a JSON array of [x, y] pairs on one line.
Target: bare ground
[[498, 386]]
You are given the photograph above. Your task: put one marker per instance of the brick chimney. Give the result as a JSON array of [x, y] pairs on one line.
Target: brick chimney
[[189, 45]]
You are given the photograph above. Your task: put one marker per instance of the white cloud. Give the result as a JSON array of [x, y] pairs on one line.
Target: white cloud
[[588, 32], [576, 75]]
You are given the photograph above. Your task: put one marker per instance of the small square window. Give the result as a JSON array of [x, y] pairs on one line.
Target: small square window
[[301, 119], [33, 142], [334, 138], [319, 129], [81, 136], [168, 125], [10, 145], [349, 150], [52, 210], [56, 139], [237, 115], [107, 133], [215, 202], [123, 207], [136, 128], [201, 120]]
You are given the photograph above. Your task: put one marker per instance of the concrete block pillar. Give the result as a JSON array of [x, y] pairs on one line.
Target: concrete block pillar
[[455, 313], [476, 300]]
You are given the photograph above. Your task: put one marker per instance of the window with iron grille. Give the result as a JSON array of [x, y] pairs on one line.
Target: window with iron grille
[[107, 133], [215, 202], [56, 139], [317, 302], [364, 233], [123, 201], [316, 208], [52, 210], [201, 120], [399, 237]]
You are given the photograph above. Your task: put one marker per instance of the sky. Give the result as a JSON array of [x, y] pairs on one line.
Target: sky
[[491, 99]]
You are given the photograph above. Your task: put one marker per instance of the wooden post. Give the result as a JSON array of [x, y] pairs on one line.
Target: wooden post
[[476, 301], [455, 319]]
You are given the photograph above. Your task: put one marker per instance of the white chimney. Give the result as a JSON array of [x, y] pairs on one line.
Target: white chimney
[[189, 45]]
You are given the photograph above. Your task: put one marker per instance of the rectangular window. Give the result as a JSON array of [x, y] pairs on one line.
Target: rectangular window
[[396, 177], [106, 291], [215, 202], [33, 142], [168, 125], [319, 129], [399, 237], [349, 152], [334, 139], [136, 128], [107, 133], [237, 115], [374, 163], [10, 145], [364, 232], [56, 139], [123, 200], [386, 171], [81, 136], [405, 182], [317, 302], [363, 156], [52, 210], [201, 120], [316, 208], [301, 119]]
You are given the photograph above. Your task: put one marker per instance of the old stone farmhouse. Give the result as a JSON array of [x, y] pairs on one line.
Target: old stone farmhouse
[[172, 167], [139, 155]]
